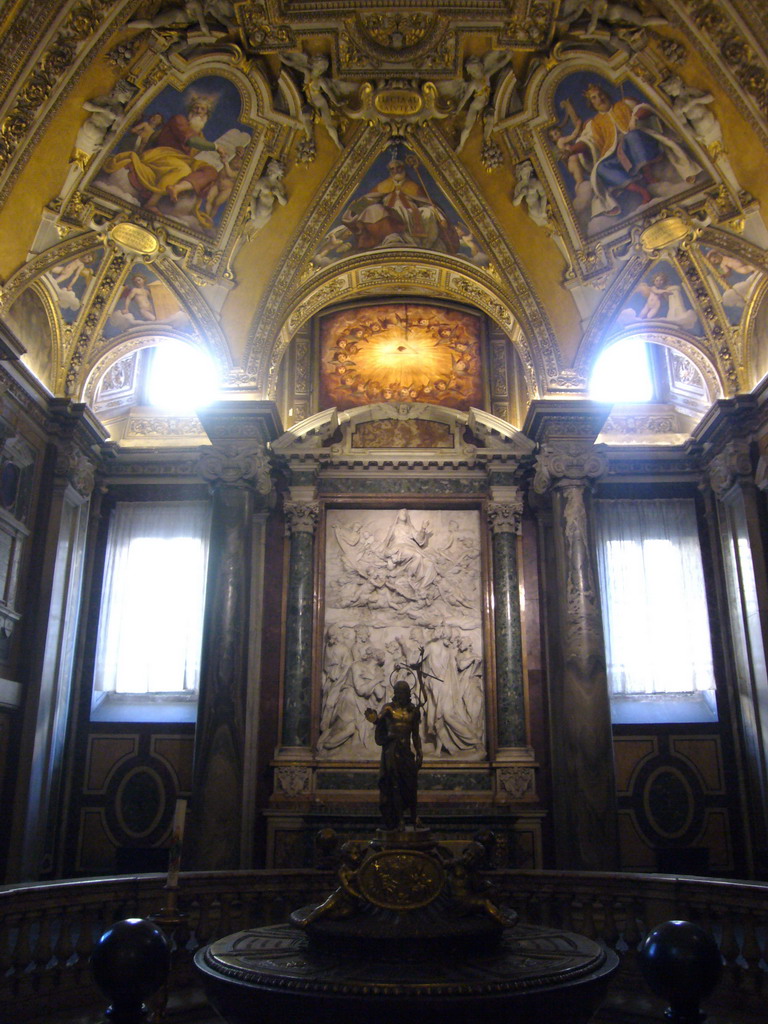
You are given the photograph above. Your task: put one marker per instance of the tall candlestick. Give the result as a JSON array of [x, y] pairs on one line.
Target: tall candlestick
[[177, 836]]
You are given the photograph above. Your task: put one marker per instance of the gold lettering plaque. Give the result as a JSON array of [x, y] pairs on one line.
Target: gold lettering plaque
[[398, 102], [134, 238]]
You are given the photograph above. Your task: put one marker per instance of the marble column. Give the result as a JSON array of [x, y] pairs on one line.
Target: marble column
[[504, 517], [742, 544], [237, 468], [582, 744], [297, 685]]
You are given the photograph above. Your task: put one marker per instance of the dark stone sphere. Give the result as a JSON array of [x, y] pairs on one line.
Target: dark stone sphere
[[681, 963], [131, 961]]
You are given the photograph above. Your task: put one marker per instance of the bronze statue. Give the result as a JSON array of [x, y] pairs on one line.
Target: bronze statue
[[397, 733]]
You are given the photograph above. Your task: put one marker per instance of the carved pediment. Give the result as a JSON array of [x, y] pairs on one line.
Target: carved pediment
[[407, 433]]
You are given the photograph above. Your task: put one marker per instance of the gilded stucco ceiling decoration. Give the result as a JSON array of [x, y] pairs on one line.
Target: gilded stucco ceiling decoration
[[703, 292], [86, 279], [511, 87], [395, 42], [504, 278]]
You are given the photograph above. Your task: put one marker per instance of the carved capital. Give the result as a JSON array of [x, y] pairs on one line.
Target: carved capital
[[505, 516], [732, 465], [302, 515], [237, 465], [565, 463], [77, 468]]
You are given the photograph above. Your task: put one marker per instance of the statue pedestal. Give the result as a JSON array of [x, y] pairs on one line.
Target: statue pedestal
[[275, 974]]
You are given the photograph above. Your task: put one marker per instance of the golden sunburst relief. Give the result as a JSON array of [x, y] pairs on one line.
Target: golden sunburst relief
[[403, 353]]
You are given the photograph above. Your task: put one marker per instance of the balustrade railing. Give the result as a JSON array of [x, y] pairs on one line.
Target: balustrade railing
[[48, 930]]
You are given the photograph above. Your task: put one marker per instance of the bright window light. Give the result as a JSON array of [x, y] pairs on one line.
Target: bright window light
[[151, 617], [623, 373], [182, 378]]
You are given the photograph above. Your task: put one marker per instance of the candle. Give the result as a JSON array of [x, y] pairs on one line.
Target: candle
[[177, 836]]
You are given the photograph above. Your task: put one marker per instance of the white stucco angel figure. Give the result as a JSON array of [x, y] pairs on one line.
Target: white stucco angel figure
[[530, 190], [603, 11], [317, 87], [694, 108], [105, 113], [475, 93], [267, 191], [207, 16]]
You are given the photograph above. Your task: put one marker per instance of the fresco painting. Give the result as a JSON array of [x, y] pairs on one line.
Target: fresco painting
[[182, 155], [71, 279], [400, 353], [144, 300], [734, 279], [398, 204], [614, 153], [660, 298]]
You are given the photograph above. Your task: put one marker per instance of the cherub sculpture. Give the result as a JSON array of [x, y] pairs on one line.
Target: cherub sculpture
[[317, 87], [475, 93], [267, 191], [530, 191]]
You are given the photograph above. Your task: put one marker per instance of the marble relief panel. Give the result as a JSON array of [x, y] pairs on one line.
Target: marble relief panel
[[402, 585]]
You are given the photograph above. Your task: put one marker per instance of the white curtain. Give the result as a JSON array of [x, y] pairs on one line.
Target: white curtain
[[653, 598], [151, 618]]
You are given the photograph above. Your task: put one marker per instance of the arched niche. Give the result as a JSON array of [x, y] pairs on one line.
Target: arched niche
[[409, 278]]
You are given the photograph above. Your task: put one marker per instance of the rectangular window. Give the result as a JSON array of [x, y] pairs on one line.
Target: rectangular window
[[153, 598], [658, 649]]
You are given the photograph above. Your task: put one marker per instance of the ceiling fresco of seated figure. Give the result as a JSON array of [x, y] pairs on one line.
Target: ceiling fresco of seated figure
[[181, 155], [616, 155]]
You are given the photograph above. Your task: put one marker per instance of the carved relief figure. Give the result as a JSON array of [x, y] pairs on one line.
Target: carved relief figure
[[182, 156], [530, 191], [403, 589], [615, 153], [601, 12], [267, 191], [476, 92], [695, 108], [317, 87], [98, 130]]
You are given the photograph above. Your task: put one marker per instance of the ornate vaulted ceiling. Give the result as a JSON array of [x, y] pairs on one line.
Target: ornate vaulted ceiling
[[223, 173]]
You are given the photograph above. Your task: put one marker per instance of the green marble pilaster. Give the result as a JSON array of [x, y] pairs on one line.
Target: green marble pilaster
[[297, 683], [504, 519]]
